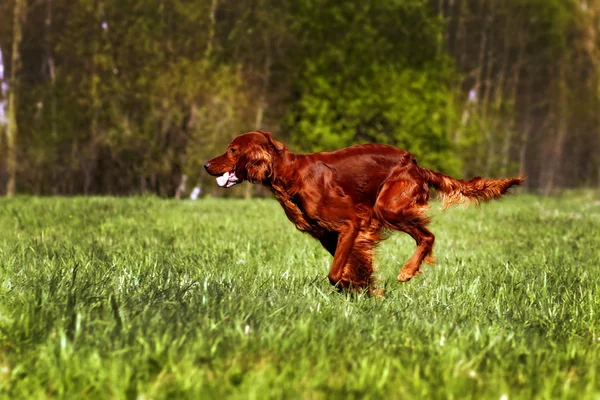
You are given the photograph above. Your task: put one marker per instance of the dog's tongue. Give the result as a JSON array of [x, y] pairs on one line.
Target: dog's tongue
[[222, 180]]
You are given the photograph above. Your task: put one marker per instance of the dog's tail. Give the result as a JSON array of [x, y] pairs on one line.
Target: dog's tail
[[477, 190]]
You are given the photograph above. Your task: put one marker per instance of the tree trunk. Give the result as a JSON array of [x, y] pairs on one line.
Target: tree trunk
[[211, 29], [486, 60], [526, 131], [508, 140], [52, 75], [91, 154], [2, 100], [50, 63], [562, 128], [461, 32], [12, 129], [262, 103], [457, 40]]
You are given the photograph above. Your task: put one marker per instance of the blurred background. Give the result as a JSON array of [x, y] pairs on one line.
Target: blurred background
[[127, 97]]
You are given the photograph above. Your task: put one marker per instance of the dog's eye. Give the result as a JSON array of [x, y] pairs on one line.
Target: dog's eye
[[232, 150]]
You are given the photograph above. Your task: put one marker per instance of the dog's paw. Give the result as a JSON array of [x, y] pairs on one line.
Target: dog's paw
[[377, 293], [405, 276]]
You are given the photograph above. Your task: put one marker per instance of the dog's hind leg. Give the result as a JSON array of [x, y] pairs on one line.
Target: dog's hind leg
[[402, 205], [425, 240]]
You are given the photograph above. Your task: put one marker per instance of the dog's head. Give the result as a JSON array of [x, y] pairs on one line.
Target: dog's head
[[248, 157]]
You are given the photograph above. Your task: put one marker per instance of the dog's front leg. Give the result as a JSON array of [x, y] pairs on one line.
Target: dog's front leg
[[345, 243]]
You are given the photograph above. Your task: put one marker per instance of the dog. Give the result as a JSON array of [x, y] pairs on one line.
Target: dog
[[347, 199]]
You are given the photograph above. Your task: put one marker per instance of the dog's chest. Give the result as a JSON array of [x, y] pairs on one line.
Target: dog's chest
[[297, 213]]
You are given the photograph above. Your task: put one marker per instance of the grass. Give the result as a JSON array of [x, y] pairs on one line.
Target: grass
[[144, 298]]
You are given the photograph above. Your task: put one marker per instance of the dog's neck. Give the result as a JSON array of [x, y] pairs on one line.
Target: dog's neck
[[285, 183], [285, 179], [284, 173]]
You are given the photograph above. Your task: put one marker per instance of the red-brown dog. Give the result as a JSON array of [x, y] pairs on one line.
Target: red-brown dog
[[345, 198]]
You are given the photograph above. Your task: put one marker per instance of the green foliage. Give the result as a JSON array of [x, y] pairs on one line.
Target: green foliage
[[127, 96], [372, 72], [551, 20], [136, 101]]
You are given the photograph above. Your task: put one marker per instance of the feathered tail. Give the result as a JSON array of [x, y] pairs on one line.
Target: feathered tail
[[477, 190]]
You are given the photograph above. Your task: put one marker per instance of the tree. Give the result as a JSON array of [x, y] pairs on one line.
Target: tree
[[527, 87], [371, 71], [12, 128], [124, 97]]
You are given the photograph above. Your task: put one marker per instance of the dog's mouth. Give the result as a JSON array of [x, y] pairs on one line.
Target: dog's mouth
[[228, 179]]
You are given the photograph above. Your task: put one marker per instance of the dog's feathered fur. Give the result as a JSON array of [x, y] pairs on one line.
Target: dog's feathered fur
[[345, 198]]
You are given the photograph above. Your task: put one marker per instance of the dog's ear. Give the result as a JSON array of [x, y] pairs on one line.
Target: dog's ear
[[276, 144]]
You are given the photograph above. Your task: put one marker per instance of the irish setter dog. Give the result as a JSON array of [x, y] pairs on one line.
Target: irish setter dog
[[346, 198]]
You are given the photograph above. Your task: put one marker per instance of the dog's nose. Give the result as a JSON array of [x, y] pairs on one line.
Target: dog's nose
[[206, 165]]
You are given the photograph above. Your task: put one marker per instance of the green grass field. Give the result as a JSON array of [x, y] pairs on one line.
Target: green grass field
[[146, 299]]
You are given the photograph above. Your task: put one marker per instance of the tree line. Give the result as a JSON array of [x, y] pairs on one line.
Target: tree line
[[128, 96]]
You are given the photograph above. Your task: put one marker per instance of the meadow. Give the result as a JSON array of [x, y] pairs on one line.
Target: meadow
[[144, 298]]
